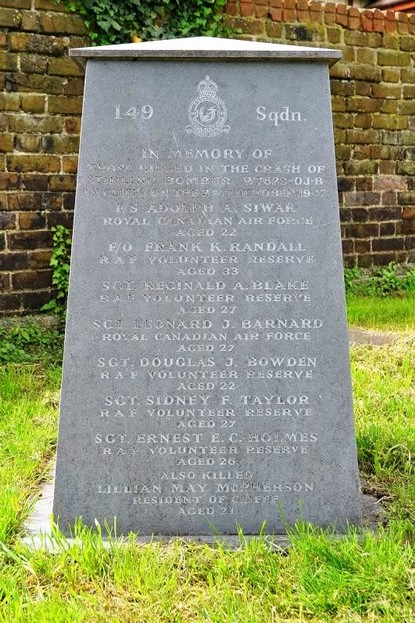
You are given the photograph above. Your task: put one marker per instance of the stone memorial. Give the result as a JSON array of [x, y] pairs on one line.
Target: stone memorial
[[206, 379]]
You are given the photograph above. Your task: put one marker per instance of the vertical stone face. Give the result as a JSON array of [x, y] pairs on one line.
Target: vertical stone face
[[40, 109], [206, 377]]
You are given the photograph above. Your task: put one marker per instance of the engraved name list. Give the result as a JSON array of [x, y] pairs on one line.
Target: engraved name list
[[206, 381]]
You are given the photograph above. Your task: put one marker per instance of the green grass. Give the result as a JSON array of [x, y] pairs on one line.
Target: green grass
[[386, 314], [363, 578]]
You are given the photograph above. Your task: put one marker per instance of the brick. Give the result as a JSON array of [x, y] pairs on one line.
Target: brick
[[248, 27], [73, 125], [389, 199], [386, 167], [387, 91], [364, 120], [260, 11], [345, 215], [33, 103], [232, 8], [4, 282], [62, 182], [408, 213], [49, 5], [408, 74], [9, 101], [362, 104], [68, 201], [2, 245], [347, 246], [34, 82], [34, 181], [247, 8], [407, 137], [364, 72], [30, 21], [9, 303], [394, 58], [30, 240], [360, 215], [391, 74], [342, 120], [69, 164], [39, 259], [407, 198], [362, 230], [389, 122], [59, 144], [274, 30], [7, 220], [362, 88], [362, 246], [363, 39], [387, 229], [30, 123], [390, 42], [339, 70], [27, 143], [406, 107], [409, 91], [10, 181], [60, 218], [362, 136], [10, 18], [73, 86], [334, 35], [64, 67], [35, 201], [405, 168], [40, 163], [390, 182], [8, 62], [364, 167], [34, 300], [33, 64], [338, 104], [366, 56], [389, 106], [363, 199], [32, 220], [64, 24], [385, 214], [407, 44], [17, 4], [342, 87], [6, 142], [388, 244], [39, 44], [64, 105], [32, 279], [364, 183]]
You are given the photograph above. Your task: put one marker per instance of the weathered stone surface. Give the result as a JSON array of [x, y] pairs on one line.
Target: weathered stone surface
[[206, 375]]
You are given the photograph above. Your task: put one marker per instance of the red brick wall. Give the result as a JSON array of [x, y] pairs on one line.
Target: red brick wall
[[373, 99], [40, 106], [373, 90]]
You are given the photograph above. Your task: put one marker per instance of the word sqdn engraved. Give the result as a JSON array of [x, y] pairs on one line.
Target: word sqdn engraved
[[206, 382], [207, 112]]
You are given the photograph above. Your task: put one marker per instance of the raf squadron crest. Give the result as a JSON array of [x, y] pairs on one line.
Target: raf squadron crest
[[207, 112]]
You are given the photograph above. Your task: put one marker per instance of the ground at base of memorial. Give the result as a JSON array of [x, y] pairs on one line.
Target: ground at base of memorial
[[364, 577], [390, 313]]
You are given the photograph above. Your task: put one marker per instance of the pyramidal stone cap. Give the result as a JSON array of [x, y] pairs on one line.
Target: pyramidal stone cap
[[209, 48]]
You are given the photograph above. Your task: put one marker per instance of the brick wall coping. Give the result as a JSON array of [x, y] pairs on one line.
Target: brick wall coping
[[324, 13]]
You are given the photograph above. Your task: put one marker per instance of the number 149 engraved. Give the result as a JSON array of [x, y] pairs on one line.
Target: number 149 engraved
[[143, 113]]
